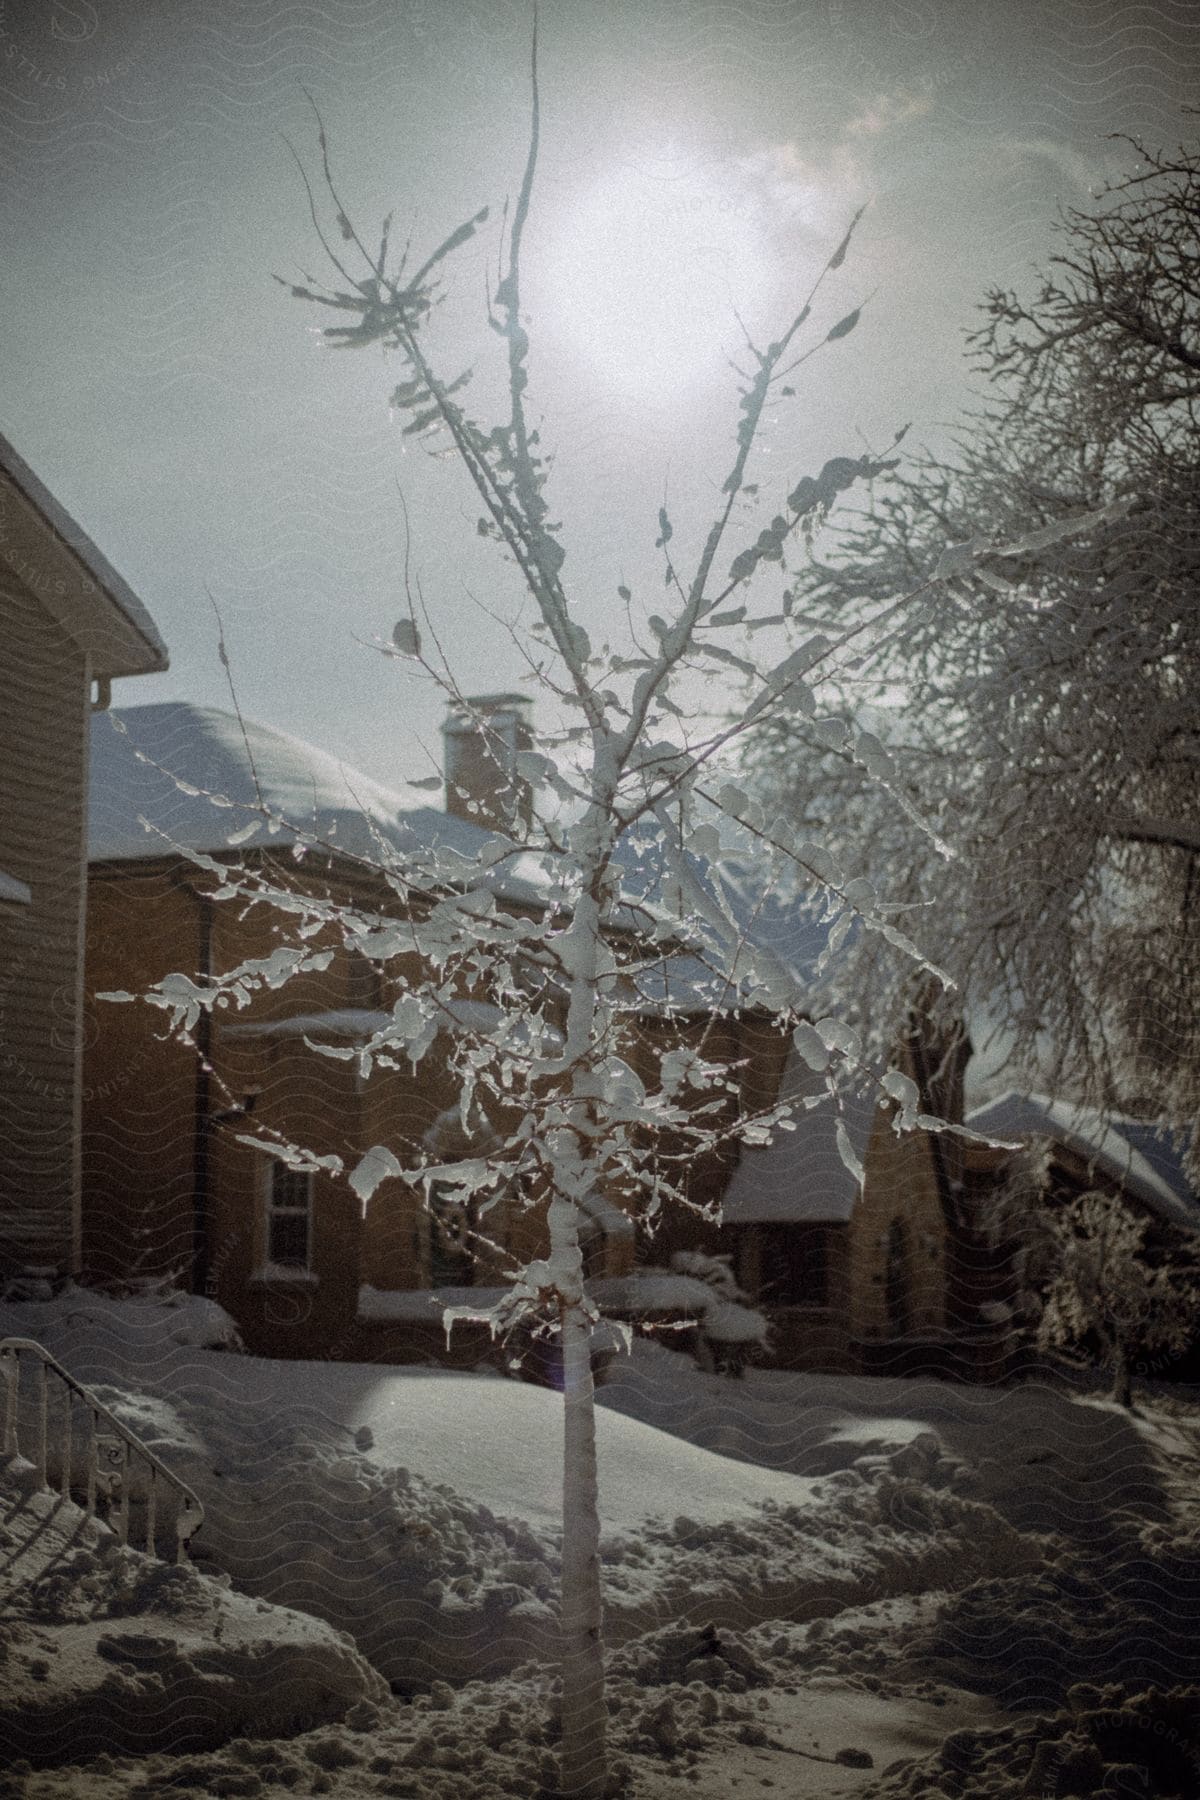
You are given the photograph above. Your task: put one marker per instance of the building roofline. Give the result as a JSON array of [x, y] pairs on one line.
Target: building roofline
[[94, 563]]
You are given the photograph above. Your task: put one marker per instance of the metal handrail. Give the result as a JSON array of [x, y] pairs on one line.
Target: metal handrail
[[190, 1514]]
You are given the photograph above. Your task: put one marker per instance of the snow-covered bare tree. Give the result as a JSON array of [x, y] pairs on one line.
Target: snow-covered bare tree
[[1019, 1222], [534, 925], [1040, 707], [1107, 1294]]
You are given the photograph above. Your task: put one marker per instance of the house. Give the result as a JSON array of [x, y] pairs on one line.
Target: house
[[1084, 1149], [1089, 1149], [1078, 1149], [71, 626], [187, 1170], [187, 1167], [843, 1230], [853, 1271]]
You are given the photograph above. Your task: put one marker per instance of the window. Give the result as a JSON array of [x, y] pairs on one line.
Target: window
[[794, 1265], [289, 1216], [452, 1232]]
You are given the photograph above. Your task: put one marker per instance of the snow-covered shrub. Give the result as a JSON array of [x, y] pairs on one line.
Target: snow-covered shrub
[[731, 1331], [1106, 1293], [717, 1271]]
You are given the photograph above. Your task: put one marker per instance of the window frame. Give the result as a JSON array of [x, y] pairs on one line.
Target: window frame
[[274, 1209]]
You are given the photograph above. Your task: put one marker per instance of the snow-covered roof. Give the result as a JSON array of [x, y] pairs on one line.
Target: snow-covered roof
[[779, 933], [423, 1305], [354, 1022], [174, 775], [646, 1292], [358, 1024], [682, 984], [1108, 1142], [163, 762], [787, 930], [799, 1177]]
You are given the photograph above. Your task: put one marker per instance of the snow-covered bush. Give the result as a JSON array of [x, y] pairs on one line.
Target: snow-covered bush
[[731, 1331], [1106, 1293]]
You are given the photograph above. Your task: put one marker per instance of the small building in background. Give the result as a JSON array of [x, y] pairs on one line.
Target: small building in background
[[843, 1230], [187, 1168], [1079, 1150], [189, 1148]]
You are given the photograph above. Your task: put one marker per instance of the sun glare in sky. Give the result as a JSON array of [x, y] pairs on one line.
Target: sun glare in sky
[[648, 270]]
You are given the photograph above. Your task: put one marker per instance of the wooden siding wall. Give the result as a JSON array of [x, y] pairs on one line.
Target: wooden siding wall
[[43, 782]]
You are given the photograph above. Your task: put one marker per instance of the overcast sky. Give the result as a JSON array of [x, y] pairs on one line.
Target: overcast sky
[[697, 159]]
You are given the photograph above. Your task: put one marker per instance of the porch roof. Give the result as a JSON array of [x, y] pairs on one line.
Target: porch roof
[[1106, 1141], [799, 1178]]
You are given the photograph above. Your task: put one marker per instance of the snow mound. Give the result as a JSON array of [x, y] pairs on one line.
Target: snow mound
[[141, 1329], [1133, 1617], [1047, 1460], [428, 1584], [1108, 1743], [107, 1650], [862, 1535]]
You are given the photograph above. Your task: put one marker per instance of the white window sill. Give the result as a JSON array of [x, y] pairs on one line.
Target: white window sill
[[282, 1275]]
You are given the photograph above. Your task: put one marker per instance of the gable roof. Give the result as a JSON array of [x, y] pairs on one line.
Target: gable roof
[[787, 936], [799, 1177], [1126, 1150], [76, 583], [163, 763]]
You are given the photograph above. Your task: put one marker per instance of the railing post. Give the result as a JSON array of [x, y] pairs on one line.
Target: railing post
[[93, 1453], [43, 1426], [64, 1485], [123, 1509], [12, 1383], [151, 1511], [185, 1527]]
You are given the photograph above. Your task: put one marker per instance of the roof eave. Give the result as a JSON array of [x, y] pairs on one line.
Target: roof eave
[[54, 557]]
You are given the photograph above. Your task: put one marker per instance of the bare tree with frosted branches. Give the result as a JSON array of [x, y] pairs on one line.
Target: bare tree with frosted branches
[[553, 1112], [1041, 706]]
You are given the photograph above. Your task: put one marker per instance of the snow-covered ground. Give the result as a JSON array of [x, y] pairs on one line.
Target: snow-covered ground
[[822, 1584]]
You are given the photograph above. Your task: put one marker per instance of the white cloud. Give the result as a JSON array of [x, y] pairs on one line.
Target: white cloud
[[1087, 174], [819, 192], [883, 112], [817, 196]]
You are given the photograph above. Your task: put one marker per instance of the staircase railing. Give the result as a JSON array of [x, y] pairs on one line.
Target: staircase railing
[[110, 1454]]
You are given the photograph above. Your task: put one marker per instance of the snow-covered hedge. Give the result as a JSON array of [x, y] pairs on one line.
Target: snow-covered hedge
[[696, 1287]]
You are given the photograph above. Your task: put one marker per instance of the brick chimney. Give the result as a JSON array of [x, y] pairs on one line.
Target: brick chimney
[[483, 737]]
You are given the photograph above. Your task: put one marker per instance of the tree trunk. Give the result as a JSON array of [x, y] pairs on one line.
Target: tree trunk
[[1122, 1388], [584, 1714]]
